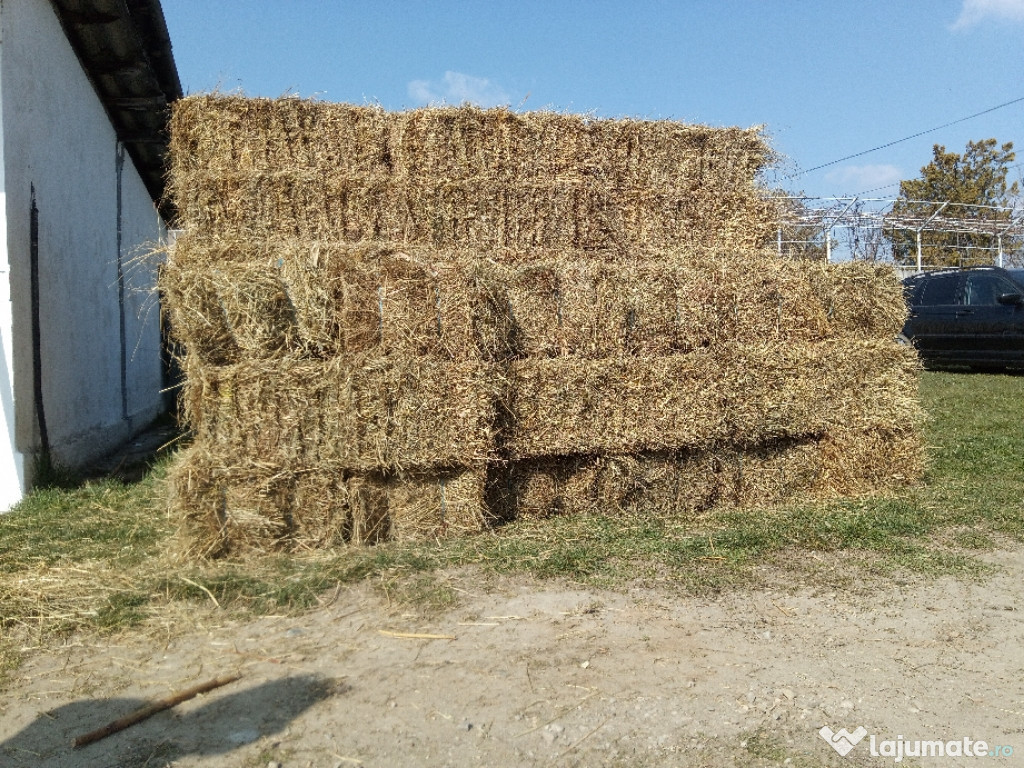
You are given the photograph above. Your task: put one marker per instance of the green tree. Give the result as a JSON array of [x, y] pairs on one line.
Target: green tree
[[977, 177]]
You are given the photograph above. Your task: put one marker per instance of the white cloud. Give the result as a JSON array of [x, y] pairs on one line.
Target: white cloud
[[976, 11], [852, 179], [458, 88]]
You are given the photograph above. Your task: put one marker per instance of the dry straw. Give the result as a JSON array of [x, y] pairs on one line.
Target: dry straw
[[220, 134], [691, 482], [357, 412], [747, 394], [231, 509], [463, 177], [408, 325], [234, 300]]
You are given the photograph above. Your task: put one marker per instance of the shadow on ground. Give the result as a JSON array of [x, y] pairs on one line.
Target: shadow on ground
[[225, 723]]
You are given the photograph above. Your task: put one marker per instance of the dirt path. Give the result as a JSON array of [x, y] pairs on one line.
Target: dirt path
[[526, 674]]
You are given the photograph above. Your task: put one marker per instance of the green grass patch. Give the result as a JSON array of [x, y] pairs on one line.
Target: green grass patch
[[95, 555]]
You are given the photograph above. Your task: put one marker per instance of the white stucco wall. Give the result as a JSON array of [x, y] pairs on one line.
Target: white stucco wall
[[57, 139]]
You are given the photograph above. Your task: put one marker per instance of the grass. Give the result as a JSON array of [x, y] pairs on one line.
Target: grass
[[95, 556]]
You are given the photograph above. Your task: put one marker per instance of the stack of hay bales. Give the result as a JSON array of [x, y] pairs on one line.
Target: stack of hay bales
[[409, 325]]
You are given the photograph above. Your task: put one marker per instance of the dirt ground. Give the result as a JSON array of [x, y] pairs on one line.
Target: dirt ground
[[524, 673]]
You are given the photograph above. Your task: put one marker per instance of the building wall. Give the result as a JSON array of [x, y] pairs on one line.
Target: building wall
[[59, 145]]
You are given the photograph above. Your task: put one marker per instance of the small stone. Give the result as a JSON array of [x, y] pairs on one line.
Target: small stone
[[273, 764], [787, 693], [293, 632], [767, 635], [466, 726], [847, 704], [585, 664]]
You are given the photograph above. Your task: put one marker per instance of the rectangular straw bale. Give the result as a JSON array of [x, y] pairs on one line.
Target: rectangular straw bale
[[596, 309], [394, 304], [465, 142], [198, 320], [354, 412], [861, 299], [659, 484], [308, 205], [222, 133], [861, 461], [418, 507], [542, 487], [547, 213], [436, 507], [318, 299], [770, 473], [738, 393], [227, 133], [225, 509]]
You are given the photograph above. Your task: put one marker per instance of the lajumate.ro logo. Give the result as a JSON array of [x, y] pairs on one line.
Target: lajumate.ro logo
[[843, 742]]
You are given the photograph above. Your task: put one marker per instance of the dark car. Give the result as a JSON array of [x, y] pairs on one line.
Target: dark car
[[972, 317]]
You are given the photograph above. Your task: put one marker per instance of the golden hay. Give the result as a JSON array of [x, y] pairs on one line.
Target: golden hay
[[231, 509], [863, 299], [226, 133], [419, 507], [353, 412], [227, 508], [690, 482], [237, 301], [746, 394], [398, 325], [483, 213], [318, 302]]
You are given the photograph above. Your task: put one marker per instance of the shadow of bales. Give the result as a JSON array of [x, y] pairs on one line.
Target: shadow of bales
[[205, 726]]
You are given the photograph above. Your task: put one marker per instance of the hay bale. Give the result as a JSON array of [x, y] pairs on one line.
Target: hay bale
[[596, 310], [659, 484], [860, 299], [290, 298], [353, 412], [227, 508], [198, 321], [745, 394], [230, 509], [865, 461], [553, 213], [220, 134], [224, 133]]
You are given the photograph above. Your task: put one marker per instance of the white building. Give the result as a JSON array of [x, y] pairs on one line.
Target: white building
[[84, 88]]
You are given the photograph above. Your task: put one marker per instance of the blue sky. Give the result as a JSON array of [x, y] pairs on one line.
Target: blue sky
[[827, 78]]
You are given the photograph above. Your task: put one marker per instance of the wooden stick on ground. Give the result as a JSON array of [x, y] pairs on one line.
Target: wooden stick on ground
[[151, 709]]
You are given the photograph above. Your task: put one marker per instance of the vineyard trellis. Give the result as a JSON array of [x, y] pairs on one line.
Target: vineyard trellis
[[997, 231]]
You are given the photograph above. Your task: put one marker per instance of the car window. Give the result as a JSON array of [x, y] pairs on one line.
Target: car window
[[940, 289], [983, 289]]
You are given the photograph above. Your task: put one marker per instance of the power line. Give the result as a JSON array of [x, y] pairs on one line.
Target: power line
[[900, 141], [897, 183]]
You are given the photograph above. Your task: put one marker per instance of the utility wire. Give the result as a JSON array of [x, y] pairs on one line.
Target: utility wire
[[897, 183], [900, 141]]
